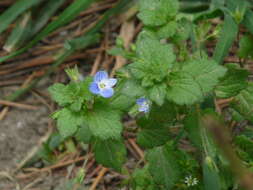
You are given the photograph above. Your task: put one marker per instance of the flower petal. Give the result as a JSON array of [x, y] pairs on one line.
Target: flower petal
[[143, 109], [100, 75], [140, 101], [111, 82], [107, 93], [94, 88]]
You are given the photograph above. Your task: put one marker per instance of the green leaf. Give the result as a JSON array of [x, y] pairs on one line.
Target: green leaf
[[84, 89], [211, 176], [14, 11], [157, 12], [183, 89], [68, 122], [110, 153], [163, 166], [104, 122], [164, 114], [131, 88], [246, 47], [227, 37], [152, 137], [205, 72], [167, 30], [141, 179], [151, 64], [243, 102], [192, 126], [248, 20], [157, 94], [232, 83], [245, 144], [83, 134], [63, 94]]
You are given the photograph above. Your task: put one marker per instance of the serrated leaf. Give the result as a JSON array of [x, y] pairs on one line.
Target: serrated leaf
[[64, 94], [161, 55], [157, 12], [60, 94], [245, 144], [157, 94], [152, 137], [205, 72], [227, 37], [167, 30], [104, 122], [84, 89], [111, 153], [163, 166], [83, 134], [183, 89], [131, 88], [232, 83], [68, 122], [243, 102], [141, 178], [151, 63]]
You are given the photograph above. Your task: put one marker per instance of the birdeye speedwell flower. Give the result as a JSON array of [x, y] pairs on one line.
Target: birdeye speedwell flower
[[102, 84], [143, 105]]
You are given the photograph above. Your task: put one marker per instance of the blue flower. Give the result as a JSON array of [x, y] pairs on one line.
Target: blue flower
[[143, 105], [102, 84]]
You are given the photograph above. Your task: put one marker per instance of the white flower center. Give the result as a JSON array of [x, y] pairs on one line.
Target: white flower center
[[102, 85]]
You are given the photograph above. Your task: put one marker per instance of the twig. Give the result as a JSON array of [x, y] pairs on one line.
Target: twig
[[56, 166], [127, 33], [136, 147], [98, 178], [18, 105]]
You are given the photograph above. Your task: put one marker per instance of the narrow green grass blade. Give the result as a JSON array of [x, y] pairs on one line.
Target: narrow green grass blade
[[45, 14], [71, 46], [27, 27], [227, 37], [68, 14], [14, 11], [20, 33]]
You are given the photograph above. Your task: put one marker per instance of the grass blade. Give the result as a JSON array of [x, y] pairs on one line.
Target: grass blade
[[71, 46], [14, 11], [19, 33], [45, 14], [227, 37], [68, 14], [28, 27]]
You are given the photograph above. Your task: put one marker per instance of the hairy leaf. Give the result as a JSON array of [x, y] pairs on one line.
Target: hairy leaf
[[157, 12], [104, 122], [232, 83], [68, 122], [205, 72], [162, 165], [243, 102], [111, 153], [183, 89]]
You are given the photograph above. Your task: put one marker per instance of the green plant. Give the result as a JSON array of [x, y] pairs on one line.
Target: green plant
[[169, 88]]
